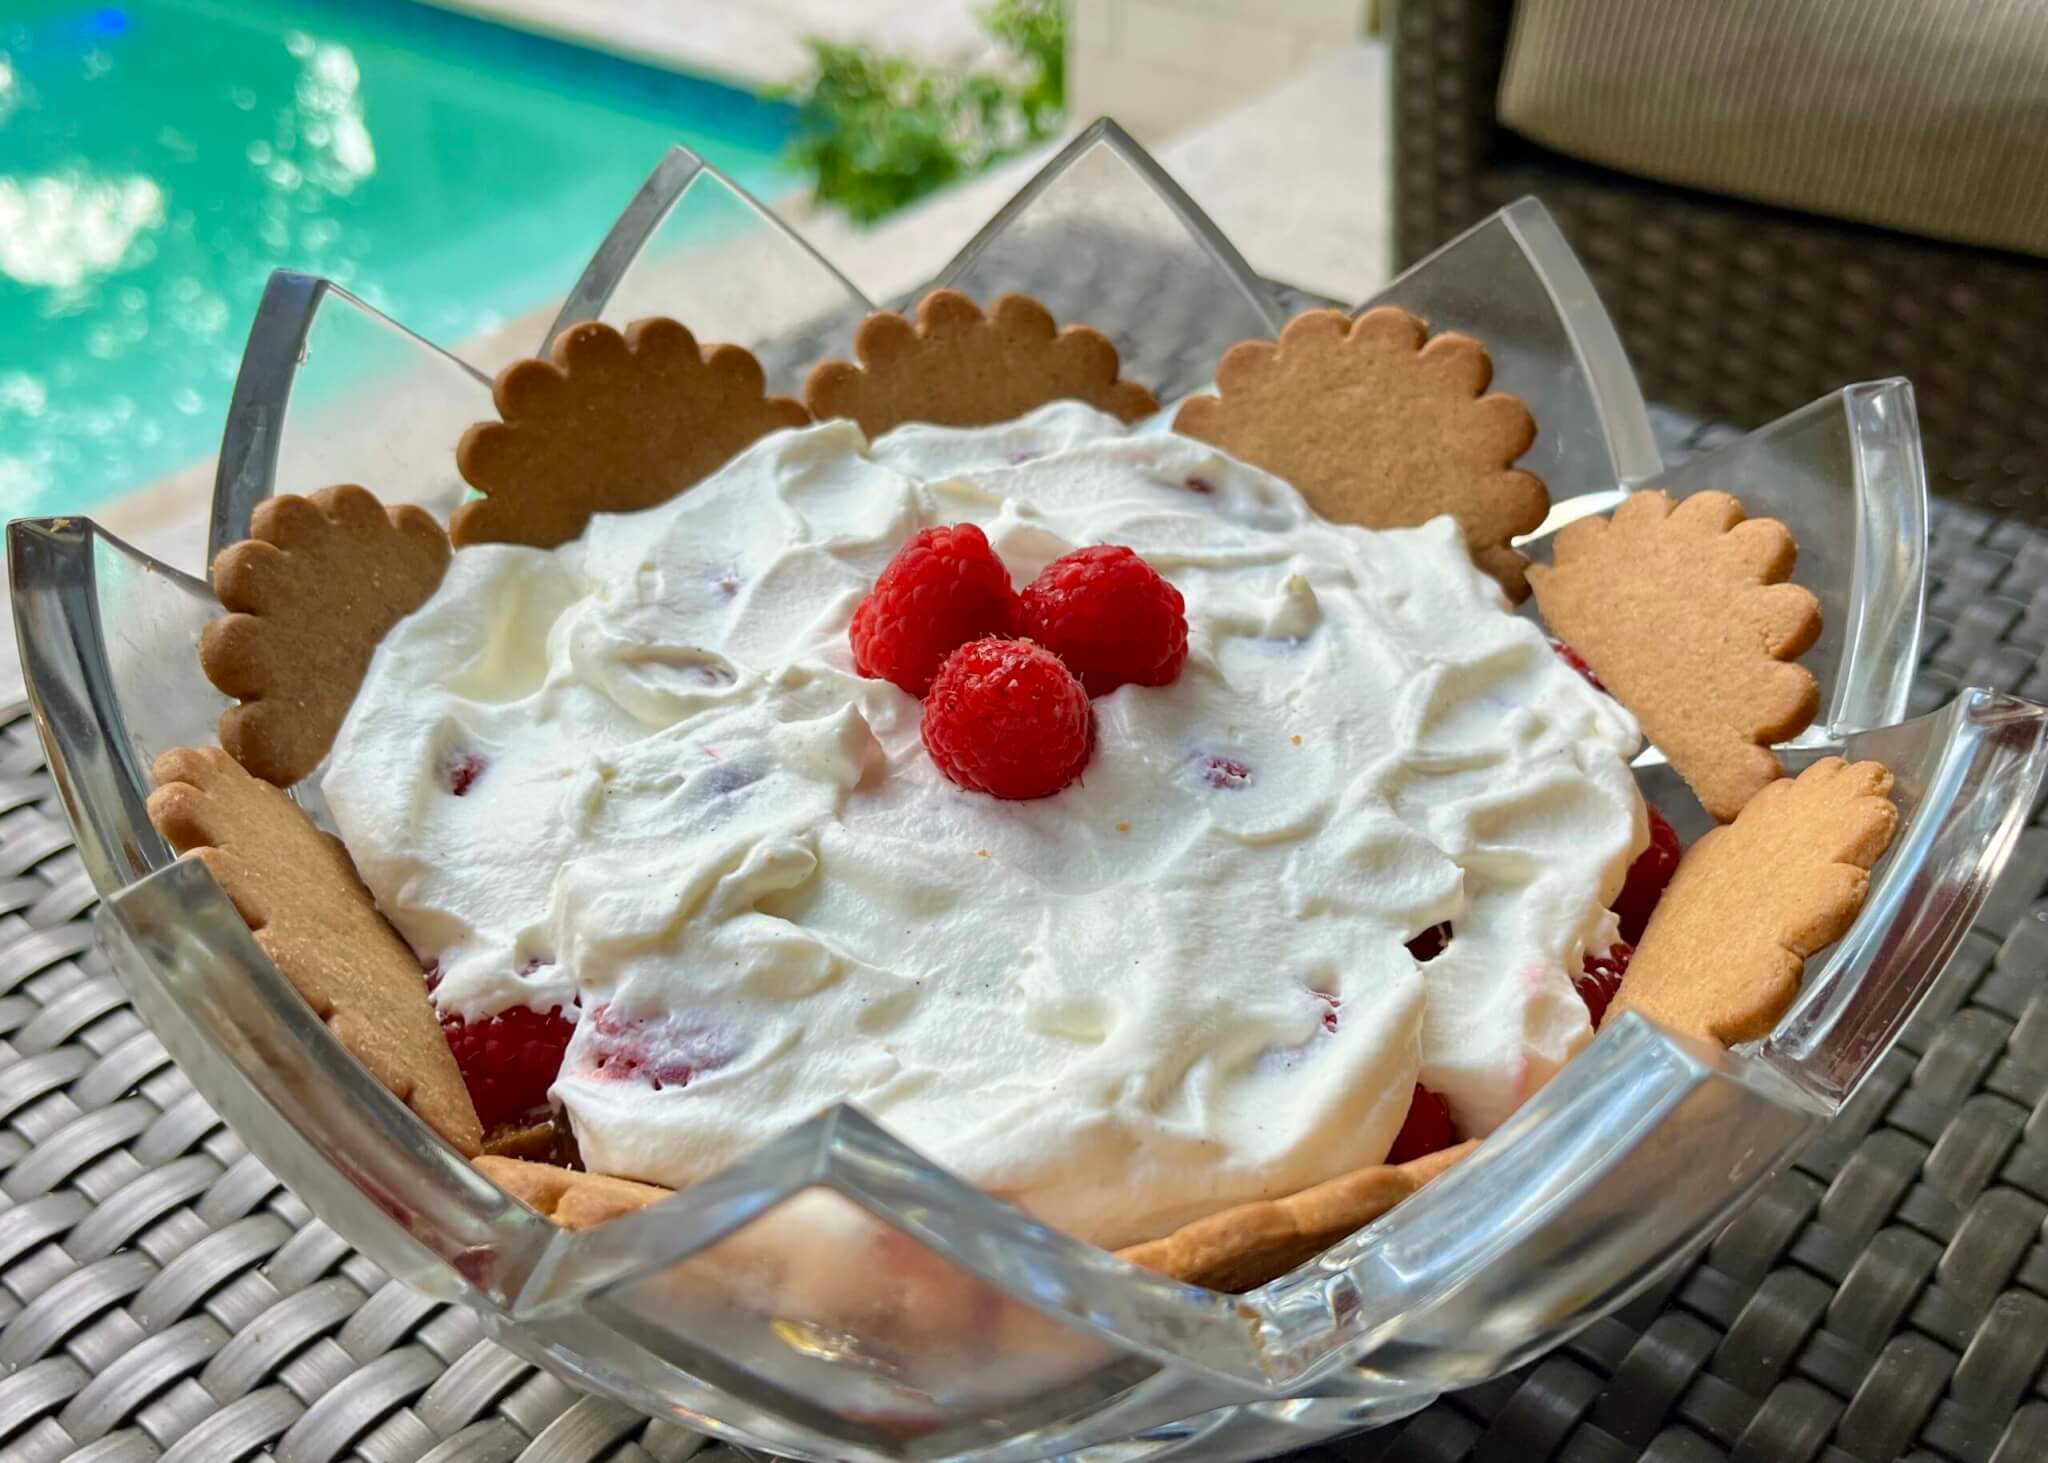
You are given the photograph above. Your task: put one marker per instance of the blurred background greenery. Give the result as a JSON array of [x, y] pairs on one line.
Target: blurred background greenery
[[877, 131]]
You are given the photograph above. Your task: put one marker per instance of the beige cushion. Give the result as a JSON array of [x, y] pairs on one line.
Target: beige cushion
[[1929, 116]]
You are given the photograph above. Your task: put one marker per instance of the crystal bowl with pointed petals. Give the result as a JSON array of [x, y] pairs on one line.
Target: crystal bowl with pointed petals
[[1005, 1339]]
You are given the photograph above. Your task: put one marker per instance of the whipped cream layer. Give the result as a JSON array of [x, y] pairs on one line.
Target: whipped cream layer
[[1180, 983]]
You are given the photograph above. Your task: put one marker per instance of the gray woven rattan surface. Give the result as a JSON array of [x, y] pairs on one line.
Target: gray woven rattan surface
[[162, 1296]]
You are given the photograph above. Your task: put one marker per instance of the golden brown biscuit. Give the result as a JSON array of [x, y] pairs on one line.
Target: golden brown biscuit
[[299, 893], [1376, 428], [1235, 1250], [1684, 614], [571, 1199], [1244, 1247], [547, 1140], [614, 423], [309, 595], [1724, 952], [959, 368]]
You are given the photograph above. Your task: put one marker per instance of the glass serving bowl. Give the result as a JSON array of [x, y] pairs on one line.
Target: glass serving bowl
[[835, 1295]]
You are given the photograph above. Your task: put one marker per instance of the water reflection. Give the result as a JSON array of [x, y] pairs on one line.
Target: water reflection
[[67, 235], [333, 113], [59, 231], [10, 88]]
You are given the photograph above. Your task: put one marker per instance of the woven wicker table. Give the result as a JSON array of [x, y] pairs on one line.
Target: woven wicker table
[[162, 1296]]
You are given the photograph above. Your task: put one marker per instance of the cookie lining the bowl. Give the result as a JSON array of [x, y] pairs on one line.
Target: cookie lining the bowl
[[956, 367], [298, 891], [1377, 424], [613, 423], [1687, 614], [1234, 1249], [1724, 953], [309, 594]]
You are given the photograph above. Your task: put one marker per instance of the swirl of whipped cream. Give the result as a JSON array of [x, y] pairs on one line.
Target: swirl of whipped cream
[[638, 772]]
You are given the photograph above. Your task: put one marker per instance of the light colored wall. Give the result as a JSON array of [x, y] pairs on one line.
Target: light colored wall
[[1164, 67]]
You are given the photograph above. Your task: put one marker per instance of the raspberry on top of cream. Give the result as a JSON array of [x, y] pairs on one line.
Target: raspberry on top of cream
[[640, 772]]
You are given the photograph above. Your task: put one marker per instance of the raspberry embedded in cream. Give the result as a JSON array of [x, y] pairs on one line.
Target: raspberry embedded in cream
[[1113, 1005]]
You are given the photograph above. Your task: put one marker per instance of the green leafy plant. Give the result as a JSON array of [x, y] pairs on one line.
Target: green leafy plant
[[877, 132], [1035, 30]]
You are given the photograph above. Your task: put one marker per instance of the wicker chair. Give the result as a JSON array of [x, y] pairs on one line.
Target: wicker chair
[[1732, 310]]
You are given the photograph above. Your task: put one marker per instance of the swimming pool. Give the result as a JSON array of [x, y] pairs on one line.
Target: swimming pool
[[158, 158]]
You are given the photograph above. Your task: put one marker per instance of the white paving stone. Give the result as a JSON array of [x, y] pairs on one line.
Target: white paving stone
[[756, 42]]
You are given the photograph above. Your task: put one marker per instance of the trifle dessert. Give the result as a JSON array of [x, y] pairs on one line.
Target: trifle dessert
[[1167, 823]]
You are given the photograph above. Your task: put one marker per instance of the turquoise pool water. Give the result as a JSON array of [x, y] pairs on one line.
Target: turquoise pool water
[[158, 158]]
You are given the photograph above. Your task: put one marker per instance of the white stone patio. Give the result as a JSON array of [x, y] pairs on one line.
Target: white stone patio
[[753, 42]]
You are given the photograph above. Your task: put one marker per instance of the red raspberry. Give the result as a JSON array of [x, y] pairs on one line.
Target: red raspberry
[[1602, 978], [1226, 774], [1427, 1129], [1646, 879], [944, 588], [460, 771], [509, 1060], [1005, 717], [1578, 663], [1110, 617]]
